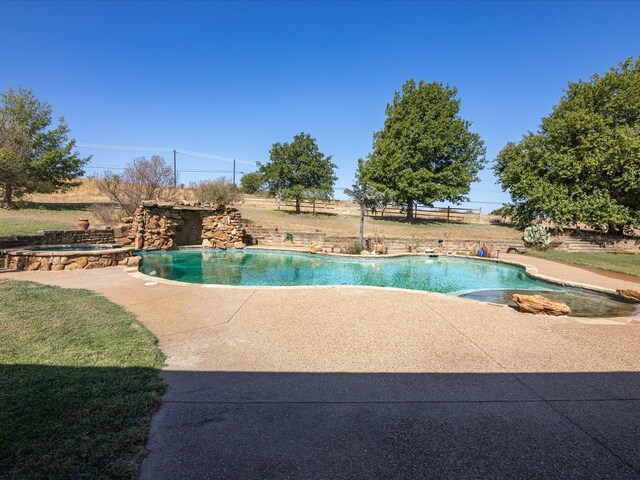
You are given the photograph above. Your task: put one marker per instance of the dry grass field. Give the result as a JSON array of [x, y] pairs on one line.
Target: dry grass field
[[387, 227], [61, 210]]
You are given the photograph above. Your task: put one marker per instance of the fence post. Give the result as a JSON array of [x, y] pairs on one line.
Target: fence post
[[448, 212]]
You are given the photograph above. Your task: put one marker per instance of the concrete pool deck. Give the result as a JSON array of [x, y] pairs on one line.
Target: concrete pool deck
[[365, 383]]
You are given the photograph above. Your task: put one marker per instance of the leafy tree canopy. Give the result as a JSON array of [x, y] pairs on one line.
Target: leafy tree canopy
[[583, 164], [33, 156], [251, 182], [298, 169], [425, 152]]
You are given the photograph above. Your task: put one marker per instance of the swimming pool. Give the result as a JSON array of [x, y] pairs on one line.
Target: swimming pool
[[279, 268], [471, 278]]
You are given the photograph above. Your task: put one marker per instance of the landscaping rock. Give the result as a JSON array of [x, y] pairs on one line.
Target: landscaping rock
[[539, 305], [633, 295], [134, 261], [34, 265]]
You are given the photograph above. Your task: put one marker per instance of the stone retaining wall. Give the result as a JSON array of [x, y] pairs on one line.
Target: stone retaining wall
[[60, 237], [264, 236], [585, 243], [595, 243]]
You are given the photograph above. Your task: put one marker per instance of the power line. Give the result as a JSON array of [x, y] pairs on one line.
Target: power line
[[107, 167], [165, 149], [124, 147]]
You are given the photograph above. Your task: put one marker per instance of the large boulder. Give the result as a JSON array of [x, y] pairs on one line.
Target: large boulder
[[633, 295], [539, 305]]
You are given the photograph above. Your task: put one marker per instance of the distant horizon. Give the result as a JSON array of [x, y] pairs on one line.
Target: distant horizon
[[229, 79]]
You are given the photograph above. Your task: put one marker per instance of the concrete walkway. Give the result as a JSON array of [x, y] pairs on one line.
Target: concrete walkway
[[335, 382]]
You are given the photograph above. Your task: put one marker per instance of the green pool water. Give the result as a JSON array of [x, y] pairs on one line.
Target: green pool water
[[467, 277], [263, 267]]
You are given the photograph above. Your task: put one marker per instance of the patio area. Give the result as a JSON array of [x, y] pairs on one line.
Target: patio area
[[352, 382]]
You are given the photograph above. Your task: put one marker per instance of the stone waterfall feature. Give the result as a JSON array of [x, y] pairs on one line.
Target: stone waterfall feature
[[157, 225]]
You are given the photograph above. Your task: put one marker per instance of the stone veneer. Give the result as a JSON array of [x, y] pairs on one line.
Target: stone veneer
[[165, 225], [60, 237], [32, 259]]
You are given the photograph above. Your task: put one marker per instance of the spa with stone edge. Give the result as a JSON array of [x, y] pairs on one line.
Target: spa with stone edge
[[154, 226]]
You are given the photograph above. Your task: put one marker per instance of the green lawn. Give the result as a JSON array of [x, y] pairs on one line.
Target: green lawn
[[33, 217], [614, 262], [79, 381], [13, 226]]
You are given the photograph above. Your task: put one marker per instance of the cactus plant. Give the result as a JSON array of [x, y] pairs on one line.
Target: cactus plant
[[537, 236]]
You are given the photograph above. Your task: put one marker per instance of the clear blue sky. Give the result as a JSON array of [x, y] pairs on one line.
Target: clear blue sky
[[231, 79]]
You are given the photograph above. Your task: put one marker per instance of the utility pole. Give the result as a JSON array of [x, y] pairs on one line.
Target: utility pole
[[175, 172], [234, 171]]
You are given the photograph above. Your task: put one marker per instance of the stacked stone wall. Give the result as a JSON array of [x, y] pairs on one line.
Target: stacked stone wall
[[595, 243], [60, 237], [157, 226], [223, 229], [69, 260], [265, 236]]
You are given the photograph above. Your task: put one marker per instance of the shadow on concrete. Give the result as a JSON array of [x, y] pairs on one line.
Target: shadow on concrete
[[250, 425], [270, 425]]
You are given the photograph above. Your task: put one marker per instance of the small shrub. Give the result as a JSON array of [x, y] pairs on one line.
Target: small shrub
[[376, 243], [352, 249], [413, 244], [107, 213], [288, 237], [537, 236], [221, 190]]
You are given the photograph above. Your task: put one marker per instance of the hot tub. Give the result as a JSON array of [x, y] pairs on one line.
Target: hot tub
[[67, 257]]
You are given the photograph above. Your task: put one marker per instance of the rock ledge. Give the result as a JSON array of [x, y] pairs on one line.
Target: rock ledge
[[539, 305]]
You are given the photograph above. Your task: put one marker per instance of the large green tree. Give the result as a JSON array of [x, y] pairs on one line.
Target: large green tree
[[425, 153], [34, 157], [251, 182], [583, 164], [298, 169]]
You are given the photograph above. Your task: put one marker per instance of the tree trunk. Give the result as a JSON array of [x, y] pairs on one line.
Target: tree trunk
[[409, 209], [361, 236], [297, 205], [8, 194]]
